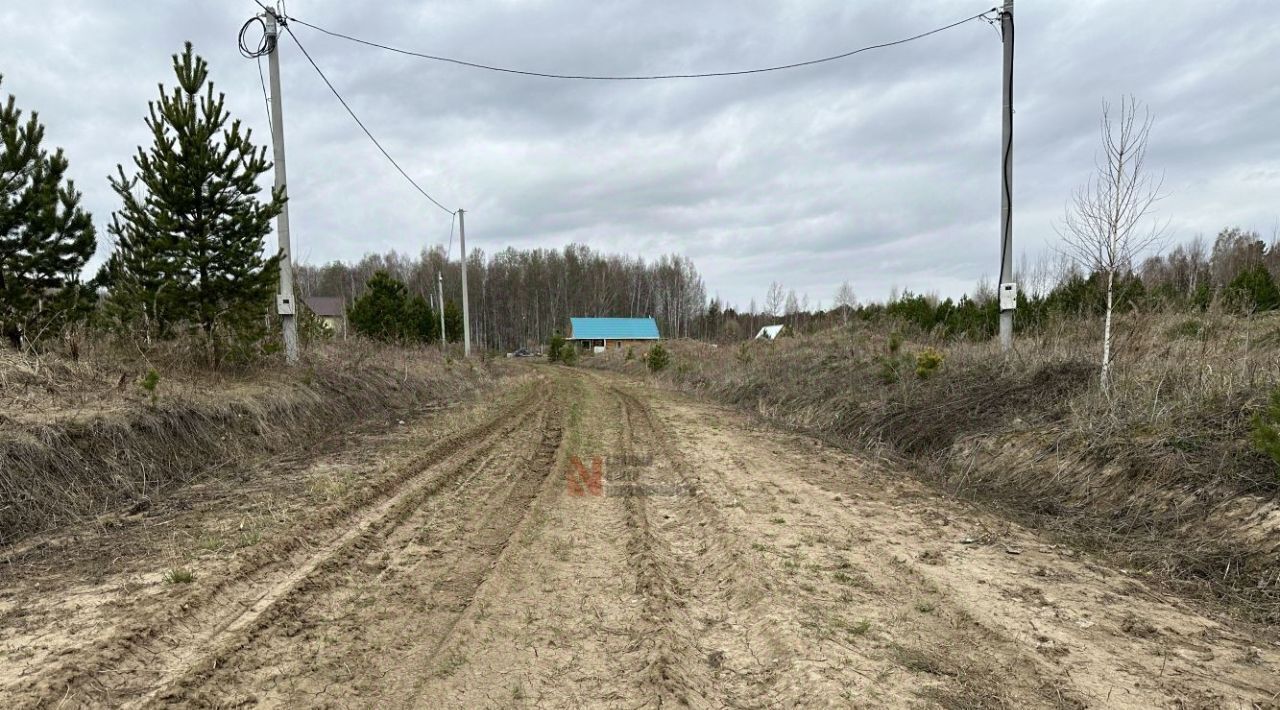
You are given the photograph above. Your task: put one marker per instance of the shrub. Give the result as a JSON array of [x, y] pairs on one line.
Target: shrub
[[658, 358], [631, 354], [1266, 429], [895, 342], [569, 355], [150, 382], [927, 363], [891, 368], [1190, 328], [179, 575], [1254, 290], [310, 328], [555, 346]]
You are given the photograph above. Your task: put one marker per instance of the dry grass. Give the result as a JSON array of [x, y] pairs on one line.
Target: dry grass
[[1158, 472], [80, 436]]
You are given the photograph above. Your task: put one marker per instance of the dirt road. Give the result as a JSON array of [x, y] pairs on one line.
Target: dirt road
[[470, 557]]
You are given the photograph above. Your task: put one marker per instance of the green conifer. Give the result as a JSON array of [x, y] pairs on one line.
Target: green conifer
[[189, 236], [45, 237], [380, 312], [452, 322]]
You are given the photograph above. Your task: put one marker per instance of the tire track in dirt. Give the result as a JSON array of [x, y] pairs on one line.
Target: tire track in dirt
[[779, 662], [672, 672], [483, 545], [124, 668], [978, 622], [559, 622], [343, 636], [747, 641]]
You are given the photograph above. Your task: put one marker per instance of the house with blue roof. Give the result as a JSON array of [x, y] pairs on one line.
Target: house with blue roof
[[600, 334]]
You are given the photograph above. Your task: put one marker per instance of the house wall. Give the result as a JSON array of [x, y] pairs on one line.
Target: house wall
[[614, 344]]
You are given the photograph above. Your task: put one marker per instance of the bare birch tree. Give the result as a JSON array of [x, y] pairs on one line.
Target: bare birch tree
[[773, 299], [845, 301], [1103, 228]]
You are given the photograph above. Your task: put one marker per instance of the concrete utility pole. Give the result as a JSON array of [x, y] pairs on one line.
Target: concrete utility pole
[[466, 311], [1008, 289], [440, 294], [285, 306]]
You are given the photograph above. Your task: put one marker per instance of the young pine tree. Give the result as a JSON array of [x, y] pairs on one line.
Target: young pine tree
[[452, 322], [420, 322], [45, 238], [189, 236], [379, 313]]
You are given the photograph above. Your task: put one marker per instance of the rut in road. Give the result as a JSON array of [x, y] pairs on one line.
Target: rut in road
[[137, 664], [725, 563], [370, 625]]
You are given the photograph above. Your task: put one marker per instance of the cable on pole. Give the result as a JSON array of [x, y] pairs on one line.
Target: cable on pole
[[449, 252], [641, 77], [266, 101], [264, 44], [1007, 158], [360, 123]]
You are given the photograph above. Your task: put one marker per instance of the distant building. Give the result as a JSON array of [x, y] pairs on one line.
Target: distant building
[[331, 310], [770, 332], [603, 333]]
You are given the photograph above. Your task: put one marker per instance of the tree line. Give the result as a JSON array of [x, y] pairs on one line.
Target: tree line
[[1238, 272], [522, 297]]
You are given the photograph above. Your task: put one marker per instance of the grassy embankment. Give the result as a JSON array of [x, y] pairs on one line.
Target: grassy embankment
[[111, 428], [1159, 473]]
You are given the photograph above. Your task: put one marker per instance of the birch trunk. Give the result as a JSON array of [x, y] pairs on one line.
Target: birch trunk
[[1106, 331]]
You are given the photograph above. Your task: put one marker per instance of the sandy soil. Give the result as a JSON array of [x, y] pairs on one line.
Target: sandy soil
[[469, 558]]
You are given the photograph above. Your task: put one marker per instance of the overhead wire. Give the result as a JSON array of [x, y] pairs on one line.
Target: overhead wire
[[360, 123], [265, 46], [640, 77]]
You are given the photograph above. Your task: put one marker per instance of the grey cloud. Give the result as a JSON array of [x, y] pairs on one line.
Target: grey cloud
[[882, 169]]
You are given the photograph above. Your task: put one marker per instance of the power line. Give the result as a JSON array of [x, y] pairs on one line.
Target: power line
[[360, 123], [448, 253], [641, 77]]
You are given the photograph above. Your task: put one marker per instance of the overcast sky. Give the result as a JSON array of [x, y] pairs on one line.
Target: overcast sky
[[882, 169]]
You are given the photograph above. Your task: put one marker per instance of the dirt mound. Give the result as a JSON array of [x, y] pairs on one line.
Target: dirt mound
[[88, 440]]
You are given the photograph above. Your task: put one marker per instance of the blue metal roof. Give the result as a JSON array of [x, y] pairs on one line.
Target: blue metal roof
[[613, 329]]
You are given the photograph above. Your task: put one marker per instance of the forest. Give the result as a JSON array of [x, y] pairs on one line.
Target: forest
[[521, 298]]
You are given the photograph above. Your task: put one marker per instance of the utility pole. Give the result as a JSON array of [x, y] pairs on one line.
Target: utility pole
[[440, 293], [1008, 289], [285, 306], [466, 311]]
